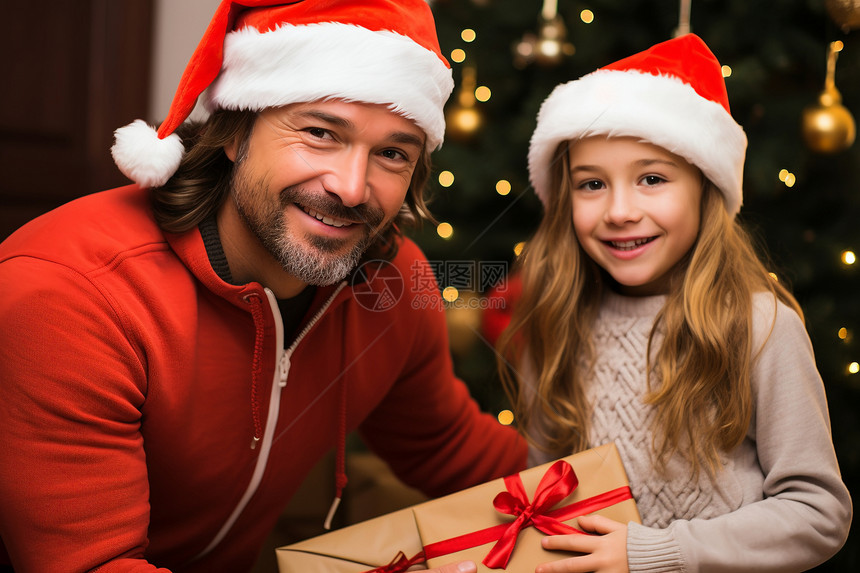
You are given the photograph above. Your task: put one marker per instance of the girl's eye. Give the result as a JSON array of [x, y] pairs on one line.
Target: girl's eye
[[652, 180], [592, 185]]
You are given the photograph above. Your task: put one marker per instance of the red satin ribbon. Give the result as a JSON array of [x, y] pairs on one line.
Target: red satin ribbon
[[400, 563], [558, 482]]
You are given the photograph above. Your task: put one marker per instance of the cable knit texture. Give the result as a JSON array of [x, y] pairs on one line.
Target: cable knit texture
[[778, 504], [618, 415]]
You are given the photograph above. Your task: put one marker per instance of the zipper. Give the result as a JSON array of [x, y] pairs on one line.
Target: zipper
[[279, 382]]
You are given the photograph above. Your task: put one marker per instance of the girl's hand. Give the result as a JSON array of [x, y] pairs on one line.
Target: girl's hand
[[605, 552]]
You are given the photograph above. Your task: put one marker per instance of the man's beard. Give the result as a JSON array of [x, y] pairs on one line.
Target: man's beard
[[312, 259]]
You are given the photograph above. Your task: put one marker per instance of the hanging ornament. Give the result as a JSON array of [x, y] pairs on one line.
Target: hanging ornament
[[828, 126], [846, 13], [463, 119], [683, 19], [550, 46]]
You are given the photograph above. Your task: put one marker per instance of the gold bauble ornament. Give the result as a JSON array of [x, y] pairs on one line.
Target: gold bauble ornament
[[463, 119], [463, 122], [549, 46], [846, 13], [524, 50], [828, 127]]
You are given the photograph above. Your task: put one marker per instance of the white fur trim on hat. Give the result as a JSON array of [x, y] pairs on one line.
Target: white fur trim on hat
[[294, 64], [662, 110], [143, 157]]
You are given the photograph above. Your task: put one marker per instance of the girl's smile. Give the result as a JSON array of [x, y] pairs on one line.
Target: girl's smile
[[636, 209], [628, 248]]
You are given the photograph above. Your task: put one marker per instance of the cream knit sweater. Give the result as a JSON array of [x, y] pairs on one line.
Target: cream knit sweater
[[779, 503]]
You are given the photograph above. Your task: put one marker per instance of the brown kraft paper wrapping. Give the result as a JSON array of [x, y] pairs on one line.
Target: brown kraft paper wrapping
[[376, 543]]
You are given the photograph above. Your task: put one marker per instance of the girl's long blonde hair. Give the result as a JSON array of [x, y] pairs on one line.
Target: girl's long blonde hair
[[699, 381]]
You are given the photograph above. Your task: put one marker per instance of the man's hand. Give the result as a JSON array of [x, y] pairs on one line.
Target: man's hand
[[605, 552], [462, 567]]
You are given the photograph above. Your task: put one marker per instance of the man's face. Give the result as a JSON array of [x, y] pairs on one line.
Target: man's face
[[319, 181]]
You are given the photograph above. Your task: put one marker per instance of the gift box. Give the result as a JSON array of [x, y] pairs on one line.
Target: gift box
[[365, 546], [498, 525]]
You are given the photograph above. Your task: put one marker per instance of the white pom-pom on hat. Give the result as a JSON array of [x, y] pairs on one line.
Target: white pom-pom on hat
[[145, 158]]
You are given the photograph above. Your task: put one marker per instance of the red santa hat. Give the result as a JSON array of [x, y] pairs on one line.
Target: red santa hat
[[672, 95], [258, 54]]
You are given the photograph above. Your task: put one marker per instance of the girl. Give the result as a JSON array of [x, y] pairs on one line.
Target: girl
[[647, 319]]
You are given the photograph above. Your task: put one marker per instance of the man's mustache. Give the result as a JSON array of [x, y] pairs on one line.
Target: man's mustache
[[323, 203]]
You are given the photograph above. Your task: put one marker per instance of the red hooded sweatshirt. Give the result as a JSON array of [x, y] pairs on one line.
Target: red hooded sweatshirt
[[133, 381]]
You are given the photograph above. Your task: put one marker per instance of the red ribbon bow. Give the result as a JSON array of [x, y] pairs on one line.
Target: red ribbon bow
[[557, 483]]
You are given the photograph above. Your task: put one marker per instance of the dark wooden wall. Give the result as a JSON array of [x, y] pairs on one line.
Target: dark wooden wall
[[75, 70]]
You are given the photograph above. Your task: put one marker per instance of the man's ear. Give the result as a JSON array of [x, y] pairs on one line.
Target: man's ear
[[240, 140], [231, 149]]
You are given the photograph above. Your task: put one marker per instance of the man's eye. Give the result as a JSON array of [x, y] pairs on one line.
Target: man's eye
[[393, 154], [318, 132]]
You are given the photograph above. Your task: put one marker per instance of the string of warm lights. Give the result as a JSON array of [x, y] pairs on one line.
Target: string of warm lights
[[787, 177], [828, 127], [446, 179], [848, 258]]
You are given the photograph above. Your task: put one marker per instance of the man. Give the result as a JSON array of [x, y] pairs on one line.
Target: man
[[177, 354]]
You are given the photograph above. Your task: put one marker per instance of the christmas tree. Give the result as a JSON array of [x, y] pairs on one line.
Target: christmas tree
[[801, 196]]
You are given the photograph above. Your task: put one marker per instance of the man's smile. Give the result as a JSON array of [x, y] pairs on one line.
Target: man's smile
[[330, 221]]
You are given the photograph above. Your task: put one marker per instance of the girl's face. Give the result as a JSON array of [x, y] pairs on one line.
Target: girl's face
[[636, 209]]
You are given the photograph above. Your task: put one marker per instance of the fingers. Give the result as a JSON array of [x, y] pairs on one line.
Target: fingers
[[602, 551], [563, 566], [575, 542], [599, 524]]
